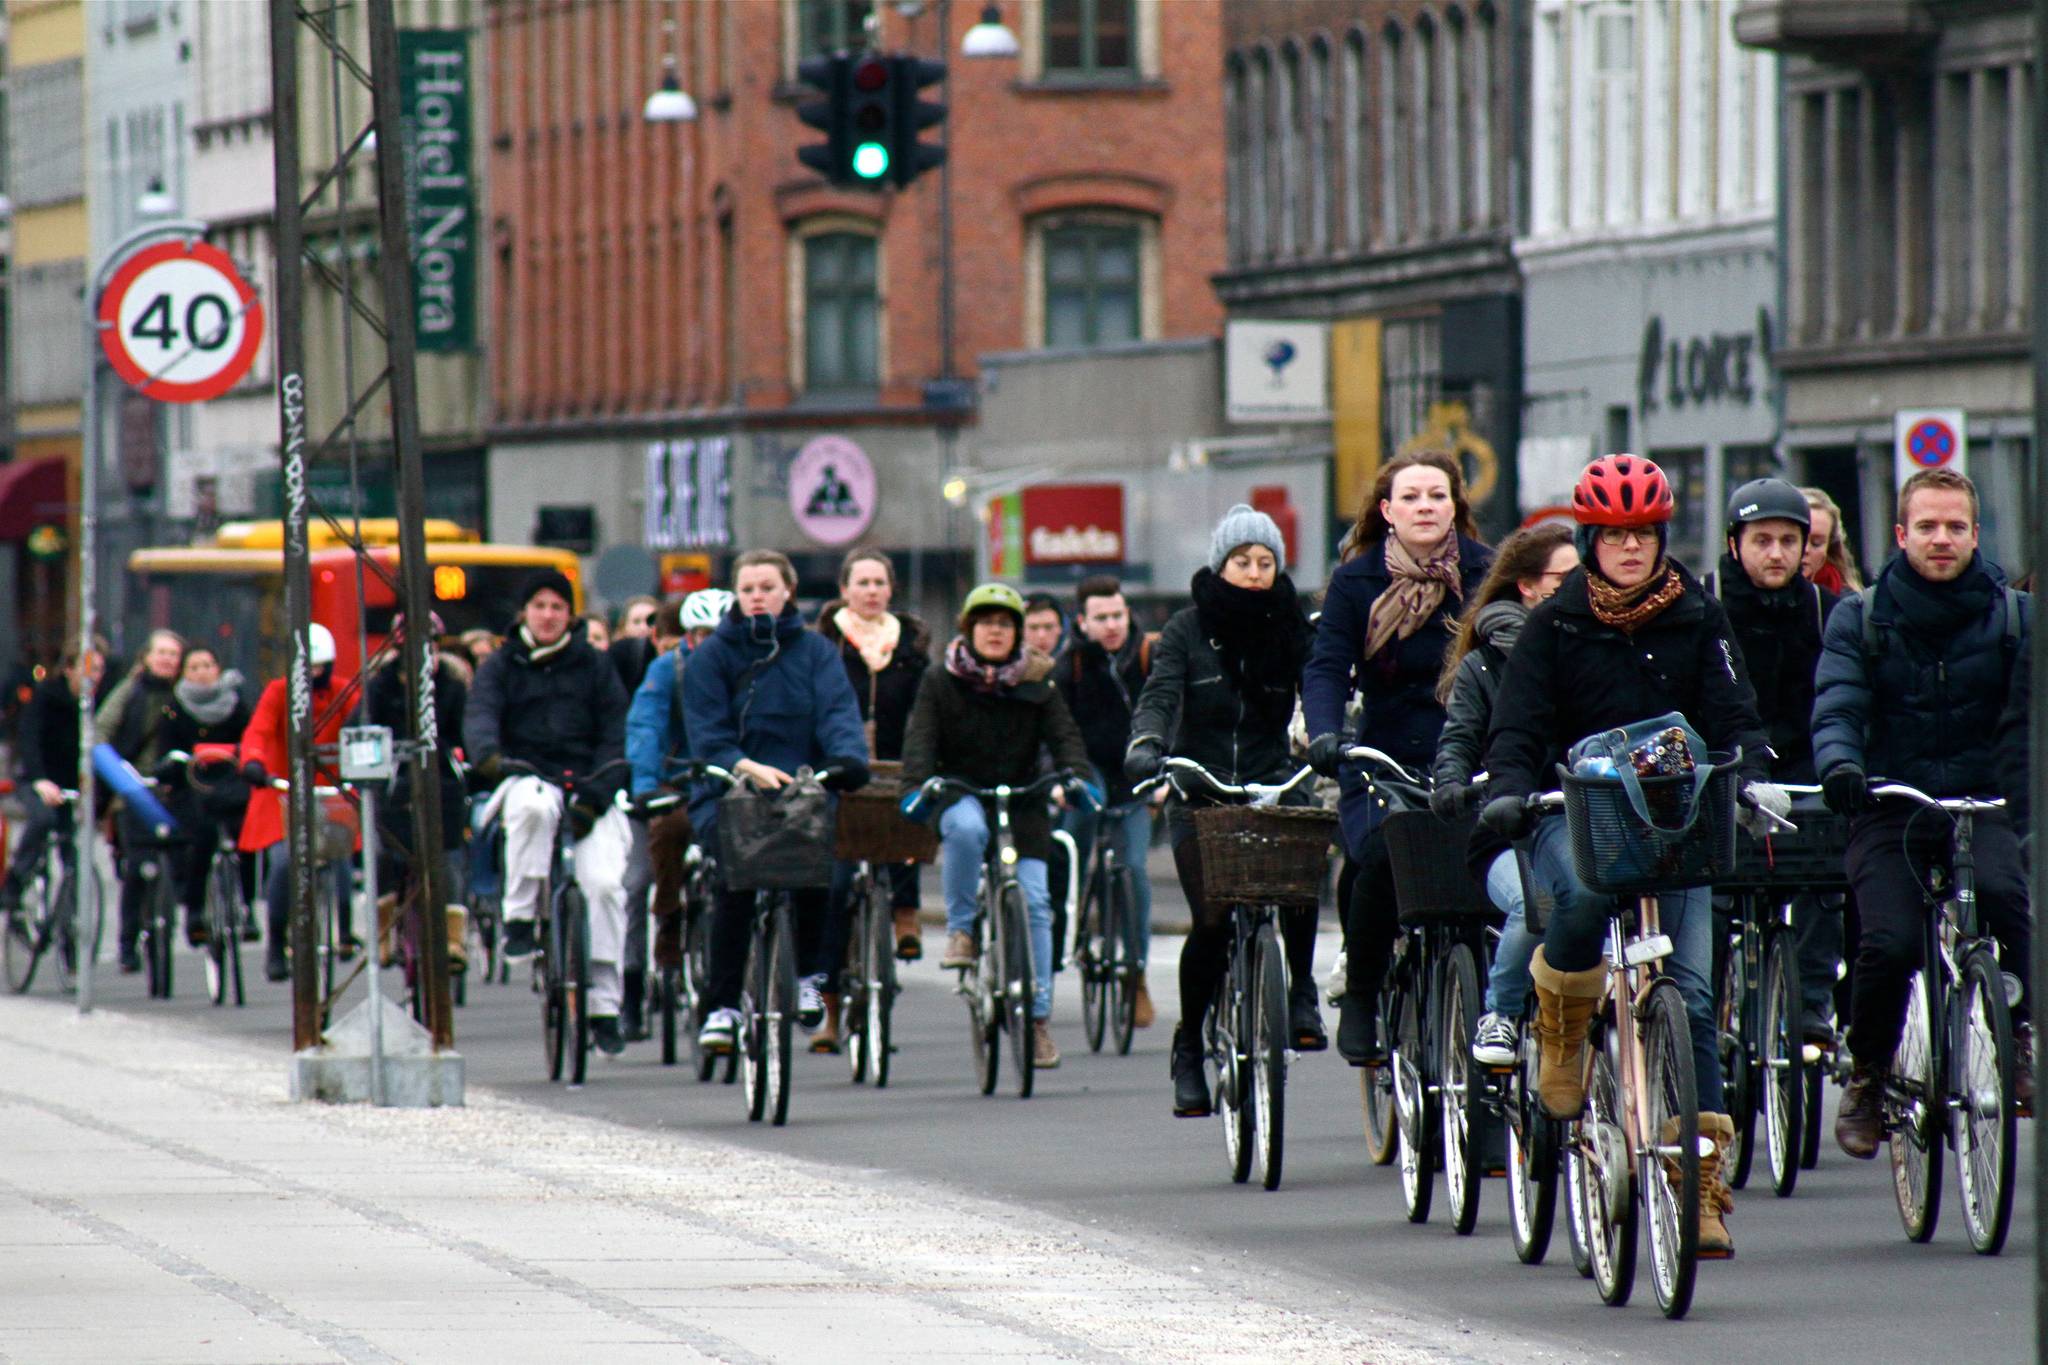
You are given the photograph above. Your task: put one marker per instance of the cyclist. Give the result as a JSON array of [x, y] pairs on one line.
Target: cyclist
[[134, 719], [1045, 625], [1827, 561], [1100, 674], [1776, 615], [1410, 564], [656, 740], [636, 618], [1630, 636], [264, 753], [1224, 680], [47, 758], [1911, 684], [596, 631], [763, 698], [983, 714], [886, 653], [550, 699], [1526, 571], [208, 706]]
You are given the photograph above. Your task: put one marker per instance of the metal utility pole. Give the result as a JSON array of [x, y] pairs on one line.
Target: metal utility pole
[[2037, 704]]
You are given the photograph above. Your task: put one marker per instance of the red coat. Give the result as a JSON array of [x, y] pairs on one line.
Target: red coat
[[265, 742]]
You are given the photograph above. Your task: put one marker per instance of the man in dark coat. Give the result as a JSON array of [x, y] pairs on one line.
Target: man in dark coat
[[1911, 685], [551, 700], [47, 760]]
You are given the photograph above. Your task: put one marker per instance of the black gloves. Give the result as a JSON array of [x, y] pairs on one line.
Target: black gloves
[[1845, 789], [489, 768], [1508, 816], [1142, 760], [1325, 752], [1447, 800], [843, 777], [255, 774], [583, 818]]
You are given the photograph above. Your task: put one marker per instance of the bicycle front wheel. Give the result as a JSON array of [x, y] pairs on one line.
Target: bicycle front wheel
[[1738, 1040], [1783, 1068], [1986, 1117], [158, 930], [1120, 953], [1091, 954], [781, 1021], [576, 979], [553, 1017], [1606, 1181], [878, 1019], [1916, 1116], [754, 1023], [21, 935], [1414, 1115], [1229, 1043], [1019, 984], [1668, 1170], [1269, 1059], [1532, 1174], [1462, 1118]]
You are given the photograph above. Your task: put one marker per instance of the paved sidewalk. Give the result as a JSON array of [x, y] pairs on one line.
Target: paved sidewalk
[[161, 1202]]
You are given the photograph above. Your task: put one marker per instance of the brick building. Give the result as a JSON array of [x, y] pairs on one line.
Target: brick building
[[677, 309]]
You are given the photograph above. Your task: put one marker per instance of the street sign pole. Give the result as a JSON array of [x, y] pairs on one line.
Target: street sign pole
[[2037, 704]]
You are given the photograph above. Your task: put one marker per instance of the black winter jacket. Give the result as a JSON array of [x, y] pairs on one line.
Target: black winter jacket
[[385, 702], [1571, 676], [1402, 716], [1926, 710], [1190, 708], [568, 711], [885, 698], [1780, 634], [2015, 728], [1461, 748], [1102, 694], [48, 746], [991, 738]]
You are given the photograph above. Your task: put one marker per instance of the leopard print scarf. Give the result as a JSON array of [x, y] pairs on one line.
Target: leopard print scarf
[[1628, 610]]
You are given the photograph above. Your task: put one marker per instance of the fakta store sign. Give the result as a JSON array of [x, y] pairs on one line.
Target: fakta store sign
[[1054, 524]]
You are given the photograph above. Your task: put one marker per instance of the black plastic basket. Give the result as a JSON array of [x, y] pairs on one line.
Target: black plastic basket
[[1617, 853], [1810, 858], [1431, 881]]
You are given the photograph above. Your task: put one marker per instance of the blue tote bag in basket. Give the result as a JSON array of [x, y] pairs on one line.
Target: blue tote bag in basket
[[1634, 801]]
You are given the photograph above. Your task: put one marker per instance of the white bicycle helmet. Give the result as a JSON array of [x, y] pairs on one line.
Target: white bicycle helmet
[[705, 608], [319, 644]]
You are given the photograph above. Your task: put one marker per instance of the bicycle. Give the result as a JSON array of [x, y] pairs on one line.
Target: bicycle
[[334, 844], [1757, 992], [873, 834], [224, 907], [676, 994], [1107, 953], [1001, 985], [153, 857], [1258, 859], [1952, 1076], [45, 916]]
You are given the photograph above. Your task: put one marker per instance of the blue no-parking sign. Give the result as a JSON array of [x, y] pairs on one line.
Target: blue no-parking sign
[[1927, 438]]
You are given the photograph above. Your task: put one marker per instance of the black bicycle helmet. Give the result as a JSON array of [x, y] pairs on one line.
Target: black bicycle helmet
[[1767, 500]]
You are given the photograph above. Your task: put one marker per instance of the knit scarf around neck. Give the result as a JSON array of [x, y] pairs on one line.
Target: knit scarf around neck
[[1628, 610], [962, 664], [537, 653], [1262, 639], [214, 704], [876, 640], [1416, 591]]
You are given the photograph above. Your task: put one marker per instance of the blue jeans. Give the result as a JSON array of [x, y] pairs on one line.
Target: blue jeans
[[1507, 987], [1577, 934], [963, 835], [1134, 822]]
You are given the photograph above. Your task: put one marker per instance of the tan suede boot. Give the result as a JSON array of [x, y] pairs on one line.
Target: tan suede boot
[[1717, 1201], [1141, 1006], [1564, 1007], [826, 1039], [458, 938], [909, 938]]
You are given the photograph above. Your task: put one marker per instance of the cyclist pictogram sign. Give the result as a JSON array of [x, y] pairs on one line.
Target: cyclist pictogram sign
[[179, 323]]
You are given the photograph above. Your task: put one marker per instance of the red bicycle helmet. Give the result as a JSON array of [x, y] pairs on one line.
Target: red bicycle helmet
[[1622, 490]]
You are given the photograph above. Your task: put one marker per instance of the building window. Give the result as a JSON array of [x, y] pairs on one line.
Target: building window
[[840, 312], [1395, 155], [1087, 38], [1354, 134], [1092, 284], [829, 25]]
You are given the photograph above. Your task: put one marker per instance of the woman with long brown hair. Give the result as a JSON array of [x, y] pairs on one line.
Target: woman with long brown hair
[[1828, 562], [1411, 563]]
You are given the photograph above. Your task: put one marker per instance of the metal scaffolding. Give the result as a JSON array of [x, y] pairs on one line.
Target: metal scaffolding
[[370, 66]]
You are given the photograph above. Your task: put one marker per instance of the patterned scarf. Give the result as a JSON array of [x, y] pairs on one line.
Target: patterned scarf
[[1629, 609], [876, 640], [962, 664], [1414, 595]]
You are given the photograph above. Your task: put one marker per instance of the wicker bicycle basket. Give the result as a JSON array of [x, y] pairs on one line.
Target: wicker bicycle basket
[[1264, 855], [872, 828], [1617, 853]]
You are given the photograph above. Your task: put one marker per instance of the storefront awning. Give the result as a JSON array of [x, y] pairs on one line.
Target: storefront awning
[[31, 495]]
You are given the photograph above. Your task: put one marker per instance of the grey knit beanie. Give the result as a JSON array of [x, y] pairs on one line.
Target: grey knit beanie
[[1241, 525]]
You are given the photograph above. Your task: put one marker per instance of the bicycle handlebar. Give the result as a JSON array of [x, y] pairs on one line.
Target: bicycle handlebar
[[1365, 753], [1255, 792], [1002, 790], [1883, 788], [281, 785]]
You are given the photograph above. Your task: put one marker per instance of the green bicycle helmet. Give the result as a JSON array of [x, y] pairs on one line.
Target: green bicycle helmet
[[999, 595]]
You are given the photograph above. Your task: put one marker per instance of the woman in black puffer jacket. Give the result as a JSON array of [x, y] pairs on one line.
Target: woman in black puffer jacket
[[1225, 673]]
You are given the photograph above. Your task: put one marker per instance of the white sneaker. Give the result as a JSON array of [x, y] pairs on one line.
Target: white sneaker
[[720, 1032], [810, 1002], [1494, 1041]]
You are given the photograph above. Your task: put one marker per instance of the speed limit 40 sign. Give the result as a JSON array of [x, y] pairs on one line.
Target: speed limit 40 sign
[[179, 323]]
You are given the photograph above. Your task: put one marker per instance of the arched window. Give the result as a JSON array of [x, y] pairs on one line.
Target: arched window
[[1287, 134], [841, 316], [1426, 132], [1318, 147], [1394, 148], [1353, 133], [1258, 223], [1456, 99], [1237, 160], [1480, 77]]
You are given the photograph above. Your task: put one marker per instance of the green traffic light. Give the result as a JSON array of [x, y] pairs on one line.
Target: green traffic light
[[871, 161]]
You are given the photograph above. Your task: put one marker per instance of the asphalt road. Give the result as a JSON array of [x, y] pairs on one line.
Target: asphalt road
[[1823, 1275]]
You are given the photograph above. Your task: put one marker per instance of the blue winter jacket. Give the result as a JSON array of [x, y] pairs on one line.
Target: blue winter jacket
[[657, 739], [1934, 724], [772, 691]]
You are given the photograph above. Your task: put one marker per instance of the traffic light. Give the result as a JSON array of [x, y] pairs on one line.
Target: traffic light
[[910, 158], [829, 74], [871, 112]]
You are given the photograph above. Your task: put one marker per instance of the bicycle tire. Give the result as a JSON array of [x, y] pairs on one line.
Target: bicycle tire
[[1783, 1068], [23, 937], [1607, 1190], [1532, 1161], [576, 980], [1462, 1121], [753, 1040], [853, 979], [878, 1025], [978, 984], [553, 1001], [1671, 1207], [1118, 930], [690, 985], [1229, 1029], [1269, 1039], [1019, 985], [69, 917], [1917, 1116], [1376, 1093], [1091, 951], [1738, 1041], [1985, 1133], [1809, 1146], [1571, 1174], [781, 1011], [666, 994], [1414, 1132]]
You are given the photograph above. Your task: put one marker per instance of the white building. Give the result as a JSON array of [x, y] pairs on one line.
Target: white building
[[1649, 260]]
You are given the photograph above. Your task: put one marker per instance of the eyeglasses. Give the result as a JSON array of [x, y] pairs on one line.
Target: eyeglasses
[[1618, 536]]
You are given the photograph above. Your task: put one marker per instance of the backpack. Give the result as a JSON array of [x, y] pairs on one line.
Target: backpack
[[1144, 658], [1713, 587], [1874, 635]]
